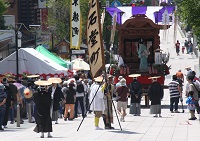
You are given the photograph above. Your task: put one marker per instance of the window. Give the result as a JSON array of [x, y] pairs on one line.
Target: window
[[63, 49]]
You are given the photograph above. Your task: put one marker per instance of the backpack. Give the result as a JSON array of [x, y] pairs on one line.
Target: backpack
[[80, 88]]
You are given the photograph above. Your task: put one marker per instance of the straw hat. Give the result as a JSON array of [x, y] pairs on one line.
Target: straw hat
[[33, 76], [28, 93], [134, 75], [98, 79], [42, 83], [188, 67], [11, 79], [154, 77], [55, 80]]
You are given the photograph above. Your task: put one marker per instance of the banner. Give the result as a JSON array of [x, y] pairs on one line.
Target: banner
[[114, 19], [75, 25], [94, 39]]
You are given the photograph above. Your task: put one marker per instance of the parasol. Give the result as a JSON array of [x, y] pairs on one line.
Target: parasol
[[81, 63]]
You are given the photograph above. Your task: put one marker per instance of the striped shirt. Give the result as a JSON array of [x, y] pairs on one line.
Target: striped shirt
[[173, 89]]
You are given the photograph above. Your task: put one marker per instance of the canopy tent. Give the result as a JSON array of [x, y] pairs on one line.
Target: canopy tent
[[32, 62], [152, 12], [81, 64], [51, 56]]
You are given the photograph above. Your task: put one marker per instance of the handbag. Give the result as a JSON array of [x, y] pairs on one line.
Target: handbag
[[118, 96]]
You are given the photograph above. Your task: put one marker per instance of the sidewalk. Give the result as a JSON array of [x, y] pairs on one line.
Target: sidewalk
[[170, 127]]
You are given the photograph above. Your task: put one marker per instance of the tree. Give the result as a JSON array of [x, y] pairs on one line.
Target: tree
[[59, 18], [188, 11], [3, 7]]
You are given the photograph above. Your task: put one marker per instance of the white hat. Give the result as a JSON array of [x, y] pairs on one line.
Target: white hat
[[120, 77], [55, 80], [123, 82], [42, 83], [134, 75]]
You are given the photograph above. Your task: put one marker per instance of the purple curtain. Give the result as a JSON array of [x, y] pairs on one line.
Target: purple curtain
[[111, 11], [139, 10], [158, 14]]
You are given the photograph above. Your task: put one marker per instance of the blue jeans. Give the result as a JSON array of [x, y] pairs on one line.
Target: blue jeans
[[174, 101], [2, 113]]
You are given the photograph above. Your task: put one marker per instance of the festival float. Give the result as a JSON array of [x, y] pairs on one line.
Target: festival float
[[139, 46]]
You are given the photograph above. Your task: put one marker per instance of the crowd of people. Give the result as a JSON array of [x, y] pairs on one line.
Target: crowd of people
[[188, 47], [68, 98]]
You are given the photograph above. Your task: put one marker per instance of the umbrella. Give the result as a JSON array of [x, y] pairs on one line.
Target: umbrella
[[80, 63], [75, 67], [18, 85]]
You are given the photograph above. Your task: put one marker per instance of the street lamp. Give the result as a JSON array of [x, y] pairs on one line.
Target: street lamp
[[37, 27], [18, 36]]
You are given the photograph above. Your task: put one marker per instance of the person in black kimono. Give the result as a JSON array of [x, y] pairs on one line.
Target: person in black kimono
[[56, 97], [136, 93], [42, 99], [155, 94]]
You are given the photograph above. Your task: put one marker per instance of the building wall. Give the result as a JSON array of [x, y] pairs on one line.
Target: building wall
[[63, 49], [13, 9]]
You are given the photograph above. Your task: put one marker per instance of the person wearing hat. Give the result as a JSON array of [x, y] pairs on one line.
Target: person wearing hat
[[3, 98], [69, 93], [56, 97], [96, 99], [108, 112], [189, 71], [118, 84], [136, 94], [155, 94], [123, 93], [42, 99]]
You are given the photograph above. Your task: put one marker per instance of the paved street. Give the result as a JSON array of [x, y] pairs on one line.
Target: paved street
[[170, 127]]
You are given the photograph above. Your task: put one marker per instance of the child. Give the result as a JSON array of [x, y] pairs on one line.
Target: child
[[191, 105]]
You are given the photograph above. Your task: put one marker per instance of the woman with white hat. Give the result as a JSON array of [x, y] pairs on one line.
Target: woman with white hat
[[97, 101]]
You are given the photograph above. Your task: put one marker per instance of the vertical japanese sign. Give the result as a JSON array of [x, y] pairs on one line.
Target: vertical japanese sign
[[75, 25], [94, 39]]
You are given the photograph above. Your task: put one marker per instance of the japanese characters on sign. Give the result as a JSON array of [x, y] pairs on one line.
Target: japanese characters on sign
[[94, 39], [75, 25]]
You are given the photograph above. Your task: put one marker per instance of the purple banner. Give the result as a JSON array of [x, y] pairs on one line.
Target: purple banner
[[112, 10], [139, 10], [158, 14]]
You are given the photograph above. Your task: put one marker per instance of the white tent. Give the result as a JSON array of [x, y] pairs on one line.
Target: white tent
[[32, 61]]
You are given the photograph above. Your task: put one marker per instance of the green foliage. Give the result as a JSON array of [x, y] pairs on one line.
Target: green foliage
[[3, 7], [59, 18], [189, 11]]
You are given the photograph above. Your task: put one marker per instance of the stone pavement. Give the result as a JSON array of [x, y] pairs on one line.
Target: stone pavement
[[170, 127]]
